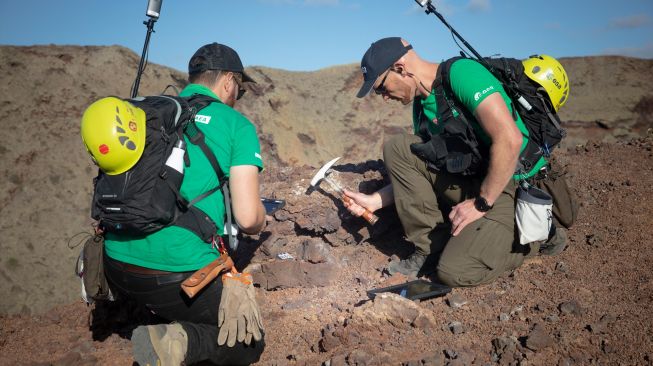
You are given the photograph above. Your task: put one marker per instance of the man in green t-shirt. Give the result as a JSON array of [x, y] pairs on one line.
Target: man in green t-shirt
[[463, 225], [150, 269]]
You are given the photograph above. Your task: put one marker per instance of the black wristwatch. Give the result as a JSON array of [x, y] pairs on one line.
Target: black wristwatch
[[481, 204]]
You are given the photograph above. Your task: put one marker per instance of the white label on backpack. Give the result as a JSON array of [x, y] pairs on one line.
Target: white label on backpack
[[203, 119]]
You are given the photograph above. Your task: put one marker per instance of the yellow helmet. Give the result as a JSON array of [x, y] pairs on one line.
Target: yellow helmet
[[549, 73], [113, 131]]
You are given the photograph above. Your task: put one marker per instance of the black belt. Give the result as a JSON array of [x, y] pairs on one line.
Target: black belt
[[143, 270], [132, 268]]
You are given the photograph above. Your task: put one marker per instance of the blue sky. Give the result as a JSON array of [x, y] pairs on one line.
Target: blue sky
[[305, 35]]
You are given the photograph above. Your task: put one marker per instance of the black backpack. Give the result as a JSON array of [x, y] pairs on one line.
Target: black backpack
[[146, 198], [457, 149]]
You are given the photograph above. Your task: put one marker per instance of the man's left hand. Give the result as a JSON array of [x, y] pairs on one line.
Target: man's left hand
[[462, 215]]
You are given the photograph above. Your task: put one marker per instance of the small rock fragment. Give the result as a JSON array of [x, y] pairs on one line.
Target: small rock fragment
[[359, 357], [338, 360], [456, 327], [316, 251], [570, 307], [451, 354], [504, 348], [601, 325], [456, 301], [552, 318], [595, 240], [516, 310], [562, 267], [538, 339], [436, 359]]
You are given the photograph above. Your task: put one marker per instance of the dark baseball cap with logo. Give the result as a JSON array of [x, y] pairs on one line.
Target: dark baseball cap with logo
[[379, 57], [216, 56]]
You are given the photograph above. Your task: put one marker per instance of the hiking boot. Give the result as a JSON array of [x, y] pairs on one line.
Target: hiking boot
[[160, 344], [556, 243], [409, 266]]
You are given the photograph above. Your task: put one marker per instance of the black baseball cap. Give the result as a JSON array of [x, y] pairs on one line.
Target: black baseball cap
[[379, 57], [216, 56]]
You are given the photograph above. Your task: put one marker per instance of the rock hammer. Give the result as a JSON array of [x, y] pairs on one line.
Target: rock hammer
[[322, 175]]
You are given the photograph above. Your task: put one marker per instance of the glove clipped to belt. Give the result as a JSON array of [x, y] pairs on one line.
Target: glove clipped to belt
[[239, 317]]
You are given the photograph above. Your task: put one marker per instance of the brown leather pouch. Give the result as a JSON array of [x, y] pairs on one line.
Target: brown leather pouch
[[196, 282]]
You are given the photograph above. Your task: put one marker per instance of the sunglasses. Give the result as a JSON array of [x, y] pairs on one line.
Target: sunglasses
[[241, 89], [381, 88]]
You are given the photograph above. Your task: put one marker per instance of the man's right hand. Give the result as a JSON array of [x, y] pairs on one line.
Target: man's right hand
[[360, 201]]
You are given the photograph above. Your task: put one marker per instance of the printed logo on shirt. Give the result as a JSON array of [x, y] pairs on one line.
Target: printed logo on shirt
[[202, 119], [258, 155], [478, 95]]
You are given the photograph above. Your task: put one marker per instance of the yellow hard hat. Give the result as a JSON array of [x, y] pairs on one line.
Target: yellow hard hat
[[549, 73], [113, 131]]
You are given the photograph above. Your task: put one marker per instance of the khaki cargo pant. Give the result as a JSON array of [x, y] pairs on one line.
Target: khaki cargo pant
[[483, 250]]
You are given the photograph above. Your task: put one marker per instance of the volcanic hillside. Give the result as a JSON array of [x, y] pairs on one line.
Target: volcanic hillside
[[591, 304]]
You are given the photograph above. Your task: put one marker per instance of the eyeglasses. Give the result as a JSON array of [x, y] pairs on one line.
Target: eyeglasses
[[381, 88], [241, 89]]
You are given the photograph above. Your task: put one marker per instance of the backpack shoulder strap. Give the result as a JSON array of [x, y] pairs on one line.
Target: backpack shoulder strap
[[441, 87], [198, 102], [442, 82], [196, 136]]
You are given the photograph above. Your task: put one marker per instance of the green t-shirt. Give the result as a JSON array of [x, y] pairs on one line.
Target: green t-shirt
[[471, 83], [233, 140]]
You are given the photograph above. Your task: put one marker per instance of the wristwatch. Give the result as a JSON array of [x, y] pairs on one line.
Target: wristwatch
[[481, 204]]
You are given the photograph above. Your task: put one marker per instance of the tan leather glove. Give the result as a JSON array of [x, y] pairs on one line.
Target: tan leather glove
[[239, 317]]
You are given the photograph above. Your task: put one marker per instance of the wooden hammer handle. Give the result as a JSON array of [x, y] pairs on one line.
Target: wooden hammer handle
[[367, 215]]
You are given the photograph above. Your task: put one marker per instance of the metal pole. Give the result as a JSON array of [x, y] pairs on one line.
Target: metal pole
[[431, 9], [141, 65]]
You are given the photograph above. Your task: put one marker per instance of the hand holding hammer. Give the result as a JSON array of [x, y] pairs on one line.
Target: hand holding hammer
[[322, 175]]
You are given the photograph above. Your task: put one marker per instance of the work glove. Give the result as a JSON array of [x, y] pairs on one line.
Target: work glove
[[239, 317]]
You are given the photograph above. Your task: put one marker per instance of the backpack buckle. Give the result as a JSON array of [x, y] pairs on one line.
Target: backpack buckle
[[218, 244]]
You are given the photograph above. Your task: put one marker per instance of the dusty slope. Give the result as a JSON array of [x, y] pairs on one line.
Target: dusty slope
[[302, 118], [44, 189], [592, 304], [45, 173]]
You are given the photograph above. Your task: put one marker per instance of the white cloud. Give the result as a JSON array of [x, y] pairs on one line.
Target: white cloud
[[478, 6], [644, 51], [635, 21]]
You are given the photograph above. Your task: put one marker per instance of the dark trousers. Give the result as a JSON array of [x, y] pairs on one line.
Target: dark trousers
[[162, 294], [483, 250]]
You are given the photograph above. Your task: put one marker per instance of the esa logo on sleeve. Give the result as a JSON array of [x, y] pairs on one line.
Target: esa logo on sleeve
[[478, 95]]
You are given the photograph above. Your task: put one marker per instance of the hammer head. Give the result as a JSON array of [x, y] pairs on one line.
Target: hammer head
[[322, 172]]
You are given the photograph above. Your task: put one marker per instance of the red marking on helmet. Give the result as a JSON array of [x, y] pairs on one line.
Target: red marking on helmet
[[104, 149], [132, 126]]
